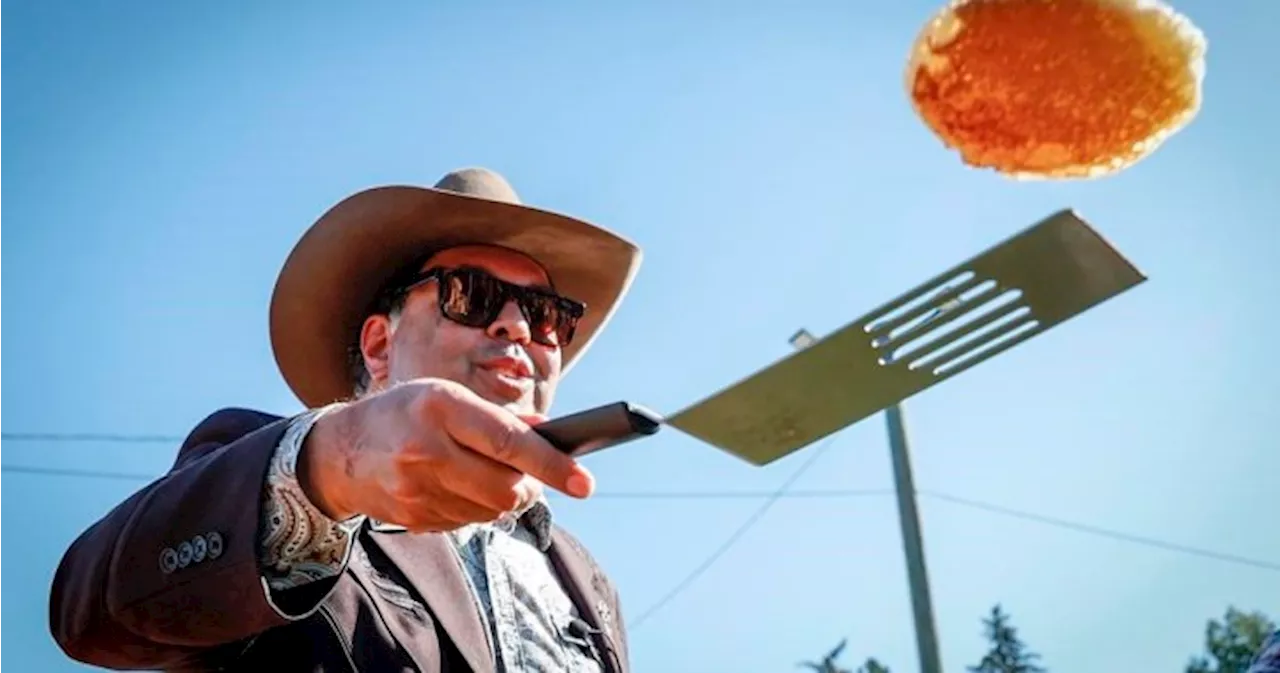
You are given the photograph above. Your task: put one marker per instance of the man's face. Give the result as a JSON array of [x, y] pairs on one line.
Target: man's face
[[500, 363]]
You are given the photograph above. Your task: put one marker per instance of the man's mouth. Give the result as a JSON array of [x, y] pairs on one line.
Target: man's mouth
[[510, 371]]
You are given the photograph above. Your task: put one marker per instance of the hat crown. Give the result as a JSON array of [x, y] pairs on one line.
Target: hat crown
[[479, 182]]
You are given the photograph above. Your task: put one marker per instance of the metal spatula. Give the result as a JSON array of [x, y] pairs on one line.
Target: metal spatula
[[1039, 278]]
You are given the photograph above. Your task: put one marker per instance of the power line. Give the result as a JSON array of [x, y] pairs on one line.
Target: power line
[[71, 472], [1101, 532], [89, 437], [611, 495], [989, 507], [771, 497], [733, 538], [780, 493]]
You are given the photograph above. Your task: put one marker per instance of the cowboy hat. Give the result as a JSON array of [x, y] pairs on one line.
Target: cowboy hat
[[329, 281]]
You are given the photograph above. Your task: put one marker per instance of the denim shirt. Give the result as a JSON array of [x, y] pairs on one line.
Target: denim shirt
[[529, 615]]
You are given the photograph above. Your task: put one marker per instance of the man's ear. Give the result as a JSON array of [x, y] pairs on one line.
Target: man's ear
[[375, 348]]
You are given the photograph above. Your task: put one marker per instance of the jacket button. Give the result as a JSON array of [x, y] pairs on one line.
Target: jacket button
[[214, 541], [168, 560], [185, 552], [200, 548]]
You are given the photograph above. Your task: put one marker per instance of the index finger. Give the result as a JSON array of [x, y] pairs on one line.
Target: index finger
[[490, 430]]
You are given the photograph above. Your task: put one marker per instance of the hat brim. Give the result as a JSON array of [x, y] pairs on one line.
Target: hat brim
[[337, 267]]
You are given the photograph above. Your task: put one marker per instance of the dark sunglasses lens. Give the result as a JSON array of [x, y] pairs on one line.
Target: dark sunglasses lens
[[550, 319], [471, 297], [475, 298]]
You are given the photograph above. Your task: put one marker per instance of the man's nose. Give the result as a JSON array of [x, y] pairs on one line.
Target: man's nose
[[511, 325]]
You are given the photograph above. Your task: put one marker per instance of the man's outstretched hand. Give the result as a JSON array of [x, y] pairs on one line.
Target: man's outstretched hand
[[431, 455]]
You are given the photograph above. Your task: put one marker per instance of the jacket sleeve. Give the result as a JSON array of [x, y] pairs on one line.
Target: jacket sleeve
[[298, 545], [174, 572]]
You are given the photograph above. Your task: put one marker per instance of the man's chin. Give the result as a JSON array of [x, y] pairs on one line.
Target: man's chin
[[516, 397]]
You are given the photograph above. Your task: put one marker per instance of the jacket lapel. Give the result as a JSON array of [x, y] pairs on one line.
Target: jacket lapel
[[432, 567], [588, 590]]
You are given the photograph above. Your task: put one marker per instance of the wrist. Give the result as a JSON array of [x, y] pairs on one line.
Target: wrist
[[321, 466]]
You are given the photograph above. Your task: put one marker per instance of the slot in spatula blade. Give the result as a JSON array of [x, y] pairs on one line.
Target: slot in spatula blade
[[1050, 272]]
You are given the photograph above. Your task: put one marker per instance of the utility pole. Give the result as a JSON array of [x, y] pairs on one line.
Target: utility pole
[[912, 544], [909, 521]]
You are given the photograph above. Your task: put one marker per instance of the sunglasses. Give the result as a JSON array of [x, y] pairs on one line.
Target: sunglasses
[[475, 298]]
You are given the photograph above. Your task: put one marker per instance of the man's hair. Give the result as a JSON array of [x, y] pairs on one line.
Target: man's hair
[[389, 301], [355, 357]]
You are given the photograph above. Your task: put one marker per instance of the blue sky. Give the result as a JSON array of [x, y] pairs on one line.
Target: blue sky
[[164, 158]]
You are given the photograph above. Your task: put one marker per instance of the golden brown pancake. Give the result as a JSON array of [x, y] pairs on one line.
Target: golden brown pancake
[[1056, 88]]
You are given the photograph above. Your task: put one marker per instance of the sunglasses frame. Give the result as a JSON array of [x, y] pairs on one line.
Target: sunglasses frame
[[522, 295]]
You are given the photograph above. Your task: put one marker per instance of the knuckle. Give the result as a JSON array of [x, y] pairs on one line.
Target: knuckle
[[437, 394], [431, 398], [506, 445], [403, 491], [413, 456]]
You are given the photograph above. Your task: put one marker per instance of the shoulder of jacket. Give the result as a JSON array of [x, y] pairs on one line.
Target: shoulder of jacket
[[227, 425]]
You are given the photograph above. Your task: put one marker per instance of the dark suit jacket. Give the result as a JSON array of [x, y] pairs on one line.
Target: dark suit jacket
[[402, 604]]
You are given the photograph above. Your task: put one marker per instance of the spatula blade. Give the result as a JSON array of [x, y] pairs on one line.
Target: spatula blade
[[1048, 273]]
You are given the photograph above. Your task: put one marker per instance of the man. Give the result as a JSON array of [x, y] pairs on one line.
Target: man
[[399, 523]]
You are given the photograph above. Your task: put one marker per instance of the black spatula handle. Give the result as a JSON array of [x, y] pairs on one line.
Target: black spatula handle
[[599, 428]]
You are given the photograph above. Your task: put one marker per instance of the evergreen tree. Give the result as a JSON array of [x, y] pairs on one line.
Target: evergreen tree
[[1231, 644], [1008, 653], [828, 663]]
